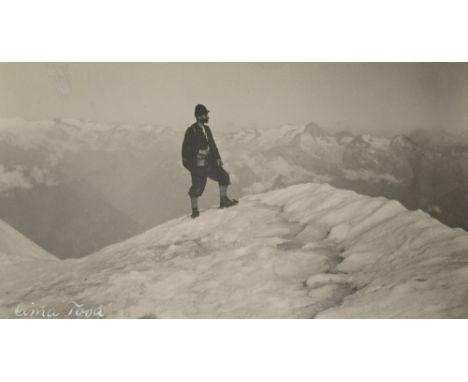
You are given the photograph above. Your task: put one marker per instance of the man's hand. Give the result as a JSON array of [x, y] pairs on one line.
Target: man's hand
[[220, 162], [204, 152]]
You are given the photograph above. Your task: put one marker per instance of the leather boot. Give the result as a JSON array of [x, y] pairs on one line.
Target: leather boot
[[226, 202]]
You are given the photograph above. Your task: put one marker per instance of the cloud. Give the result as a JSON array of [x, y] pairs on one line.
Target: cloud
[[42, 175], [13, 179]]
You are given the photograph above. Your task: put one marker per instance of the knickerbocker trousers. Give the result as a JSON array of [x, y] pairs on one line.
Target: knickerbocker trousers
[[201, 174]]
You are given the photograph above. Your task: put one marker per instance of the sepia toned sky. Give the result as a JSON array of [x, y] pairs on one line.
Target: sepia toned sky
[[383, 98]]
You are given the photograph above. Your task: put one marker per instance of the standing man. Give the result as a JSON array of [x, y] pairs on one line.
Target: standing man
[[201, 157]]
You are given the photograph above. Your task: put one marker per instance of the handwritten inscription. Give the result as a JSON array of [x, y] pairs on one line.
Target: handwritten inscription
[[71, 309]]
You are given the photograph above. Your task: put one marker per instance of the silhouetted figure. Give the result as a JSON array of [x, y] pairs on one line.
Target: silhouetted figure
[[201, 157]]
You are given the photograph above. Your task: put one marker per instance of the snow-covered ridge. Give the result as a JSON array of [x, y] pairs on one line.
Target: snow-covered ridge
[[308, 250], [15, 247]]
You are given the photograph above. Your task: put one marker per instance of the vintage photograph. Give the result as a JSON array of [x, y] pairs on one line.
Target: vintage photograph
[[163, 190]]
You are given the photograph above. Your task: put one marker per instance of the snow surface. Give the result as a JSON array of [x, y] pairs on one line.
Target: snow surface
[[15, 247], [308, 250], [369, 176]]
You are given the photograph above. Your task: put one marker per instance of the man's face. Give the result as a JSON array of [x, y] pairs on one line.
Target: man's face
[[204, 118]]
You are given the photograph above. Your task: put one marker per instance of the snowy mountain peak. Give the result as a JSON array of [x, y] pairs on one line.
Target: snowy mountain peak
[[359, 141], [243, 135], [403, 142], [369, 142], [308, 250], [315, 130], [344, 137]]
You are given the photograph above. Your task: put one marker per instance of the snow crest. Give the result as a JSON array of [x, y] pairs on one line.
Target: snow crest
[[308, 250]]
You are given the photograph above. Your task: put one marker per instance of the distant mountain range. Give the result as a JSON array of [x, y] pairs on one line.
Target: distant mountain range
[[69, 185], [424, 174]]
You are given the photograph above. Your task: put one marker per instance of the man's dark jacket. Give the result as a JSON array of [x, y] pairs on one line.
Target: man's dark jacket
[[194, 140]]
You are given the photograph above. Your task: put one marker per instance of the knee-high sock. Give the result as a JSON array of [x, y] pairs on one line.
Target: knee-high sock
[[223, 191], [194, 203]]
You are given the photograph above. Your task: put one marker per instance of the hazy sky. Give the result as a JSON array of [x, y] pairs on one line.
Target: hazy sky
[[383, 98]]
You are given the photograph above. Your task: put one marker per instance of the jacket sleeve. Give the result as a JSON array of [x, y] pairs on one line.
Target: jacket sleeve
[[189, 150], [213, 143]]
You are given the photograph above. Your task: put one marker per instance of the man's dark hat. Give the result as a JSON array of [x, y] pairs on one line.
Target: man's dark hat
[[200, 110]]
